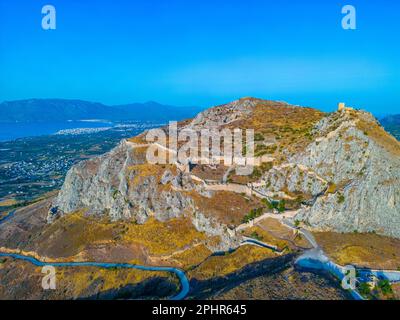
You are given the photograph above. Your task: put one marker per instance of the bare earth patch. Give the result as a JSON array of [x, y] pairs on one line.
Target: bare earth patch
[[227, 207]]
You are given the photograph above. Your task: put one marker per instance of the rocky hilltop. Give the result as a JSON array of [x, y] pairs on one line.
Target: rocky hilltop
[[362, 164], [338, 171]]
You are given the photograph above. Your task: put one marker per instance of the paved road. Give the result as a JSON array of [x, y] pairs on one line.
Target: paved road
[[307, 234], [266, 215], [8, 216], [259, 243], [226, 174]]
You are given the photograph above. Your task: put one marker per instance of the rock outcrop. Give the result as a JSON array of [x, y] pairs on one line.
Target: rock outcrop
[[293, 178], [221, 115], [362, 164], [103, 185], [350, 169]]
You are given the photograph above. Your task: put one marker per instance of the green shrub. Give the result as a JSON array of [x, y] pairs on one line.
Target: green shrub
[[341, 198], [281, 206], [256, 173], [115, 194], [256, 236], [258, 137], [254, 213], [278, 205], [364, 289], [267, 203], [385, 287]]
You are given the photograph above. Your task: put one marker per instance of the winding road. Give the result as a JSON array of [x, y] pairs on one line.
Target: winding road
[[185, 286], [179, 273], [8, 216], [312, 259], [258, 243]]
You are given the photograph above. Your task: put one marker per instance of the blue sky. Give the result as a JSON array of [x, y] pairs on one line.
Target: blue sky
[[192, 52]]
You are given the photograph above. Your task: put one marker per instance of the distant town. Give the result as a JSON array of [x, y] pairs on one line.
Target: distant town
[[31, 167]]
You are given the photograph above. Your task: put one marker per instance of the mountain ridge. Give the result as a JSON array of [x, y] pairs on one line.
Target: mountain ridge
[[38, 110], [393, 119], [334, 169]]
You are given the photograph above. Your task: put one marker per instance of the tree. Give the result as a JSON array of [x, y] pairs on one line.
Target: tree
[[364, 289], [385, 287], [281, 206], [267, 203]]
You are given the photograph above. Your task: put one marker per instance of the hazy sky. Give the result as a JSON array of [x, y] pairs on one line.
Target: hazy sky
[[192, 52]]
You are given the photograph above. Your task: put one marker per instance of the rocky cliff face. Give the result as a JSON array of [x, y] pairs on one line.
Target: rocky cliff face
[[362, 164], [224, 114], [349, 170], [98, 184], [294, 179], [117, 184]]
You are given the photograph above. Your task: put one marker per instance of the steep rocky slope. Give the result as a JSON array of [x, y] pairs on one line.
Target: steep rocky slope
[[122, 185], [341, 171], [362, 164]]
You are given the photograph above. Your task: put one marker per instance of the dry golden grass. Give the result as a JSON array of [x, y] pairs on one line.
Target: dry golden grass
[[227, 207], [277, 115], [275, 227], [396, 291], [258, 171], [233, 178], [78, 236], [161, 238], [364, 250], [69, 235], [71, 282], [139, 139], [8, 202], [143, 171], [380, 136], [301, 241], [217, 266], [192, 256], [332, 188], [279, 231], [139, 154], [79, 279], [289, 126], [266, 237]]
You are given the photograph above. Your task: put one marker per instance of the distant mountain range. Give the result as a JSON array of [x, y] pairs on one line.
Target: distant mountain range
[[392, 124], [35, 110], [393, 119]]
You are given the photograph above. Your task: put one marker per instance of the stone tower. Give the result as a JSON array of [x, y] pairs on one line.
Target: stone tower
[[342, 106]]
